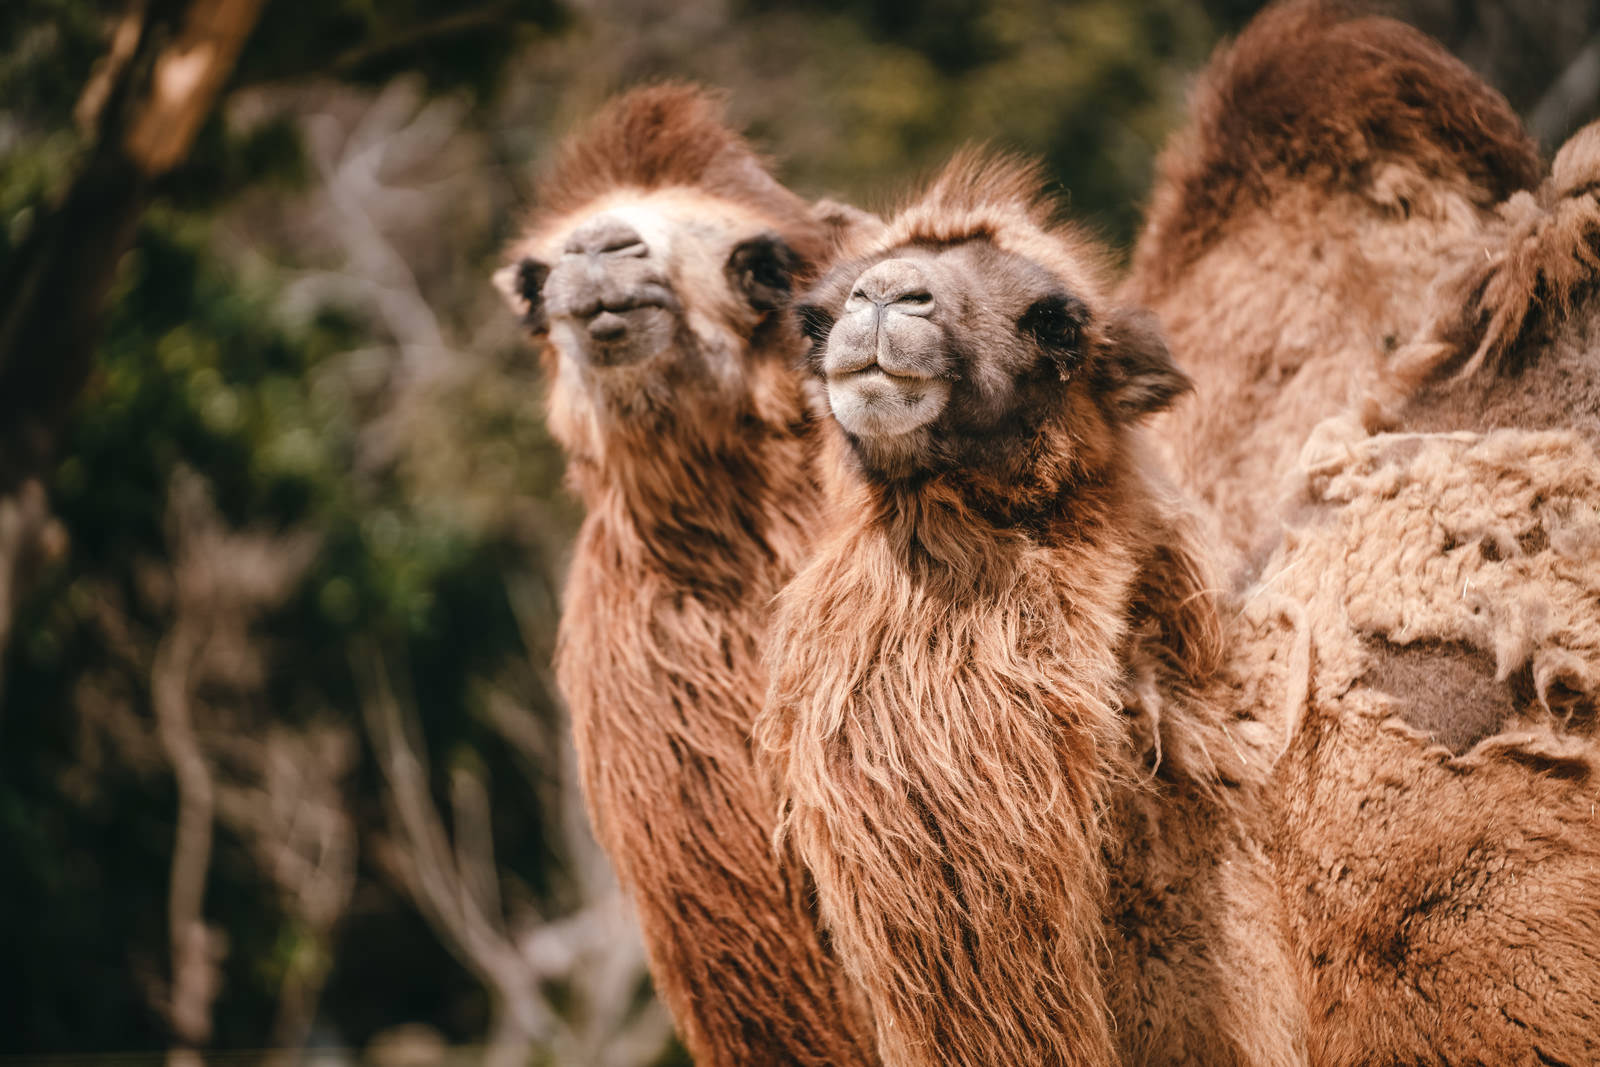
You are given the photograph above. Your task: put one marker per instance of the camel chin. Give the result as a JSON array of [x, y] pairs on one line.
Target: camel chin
[[873, 404]]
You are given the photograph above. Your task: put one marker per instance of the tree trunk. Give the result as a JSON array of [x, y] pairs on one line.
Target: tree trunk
[[142, 108]]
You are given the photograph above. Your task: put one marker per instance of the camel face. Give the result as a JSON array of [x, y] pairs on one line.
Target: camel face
[[647, 301], [608, 298], [937, 355], [886, 364]]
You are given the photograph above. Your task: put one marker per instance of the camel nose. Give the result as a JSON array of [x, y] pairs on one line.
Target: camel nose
[[605, 236], [897, 284], [607, 326], [888, 323]]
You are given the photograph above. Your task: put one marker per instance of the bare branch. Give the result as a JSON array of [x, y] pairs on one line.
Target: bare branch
[[195, 981], [28, 537], [439, 885], [220, 580], [110, 70]]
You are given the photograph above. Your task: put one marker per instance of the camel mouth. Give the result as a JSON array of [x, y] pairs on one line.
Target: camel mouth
[[620, 332], [652, 296], [877, 373], [874, 402]]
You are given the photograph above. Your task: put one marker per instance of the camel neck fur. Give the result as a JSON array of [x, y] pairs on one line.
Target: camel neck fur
[[946, 714], [701, 512], [685, 544]]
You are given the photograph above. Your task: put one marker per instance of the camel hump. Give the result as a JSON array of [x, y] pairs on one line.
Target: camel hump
[[1313, 96]]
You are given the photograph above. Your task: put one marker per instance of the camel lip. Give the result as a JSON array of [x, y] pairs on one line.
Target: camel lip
[[650, 295], [872, 403], [877, 372], [617, 307]]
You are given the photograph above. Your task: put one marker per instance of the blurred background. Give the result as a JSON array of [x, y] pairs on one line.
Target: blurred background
[[281, 530]]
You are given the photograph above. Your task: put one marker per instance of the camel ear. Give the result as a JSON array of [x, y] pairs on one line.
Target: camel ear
[[522, 284], [1135, 373], [762, 270]]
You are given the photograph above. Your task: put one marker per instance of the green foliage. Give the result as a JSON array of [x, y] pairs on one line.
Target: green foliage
[[49, 48], [194, 371], [198, 370], [1091, 86], [451, 44]]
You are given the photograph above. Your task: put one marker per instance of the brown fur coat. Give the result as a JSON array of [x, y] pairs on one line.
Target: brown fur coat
[[1431, 588], [1331, 168]]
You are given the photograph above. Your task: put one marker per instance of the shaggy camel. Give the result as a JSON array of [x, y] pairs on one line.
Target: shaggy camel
[[1508, 342], [651, 270], [1332, 167], [1437, 838], [1326, 252], [995, 709]]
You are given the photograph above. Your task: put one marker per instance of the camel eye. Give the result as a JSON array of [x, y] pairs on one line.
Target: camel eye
[[1055, 321]]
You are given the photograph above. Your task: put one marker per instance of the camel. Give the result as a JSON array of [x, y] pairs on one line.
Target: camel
[[650, 273], [1435, 811], [1397, 414], [996, 715], [1331, 169]]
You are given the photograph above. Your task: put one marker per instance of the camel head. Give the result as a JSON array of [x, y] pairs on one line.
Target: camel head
[[651, 271], [977, 335]]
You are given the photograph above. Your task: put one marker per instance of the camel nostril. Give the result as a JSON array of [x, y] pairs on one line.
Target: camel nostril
[[606, 235], [899, 284], [607, 326]]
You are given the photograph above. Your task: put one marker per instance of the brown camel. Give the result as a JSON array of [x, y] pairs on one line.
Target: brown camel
[[1437, 840], [1330, 253], [1331, 169], [660, 248], [996, 710]]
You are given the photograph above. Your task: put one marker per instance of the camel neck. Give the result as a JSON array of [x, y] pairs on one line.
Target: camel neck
[[707, 515]]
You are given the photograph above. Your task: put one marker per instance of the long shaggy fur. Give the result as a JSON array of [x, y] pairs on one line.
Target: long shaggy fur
[[1332, 167], [953, 732], [1509, 337], [1428, 622], [693, 525], [946, 771], [1444, 905]]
